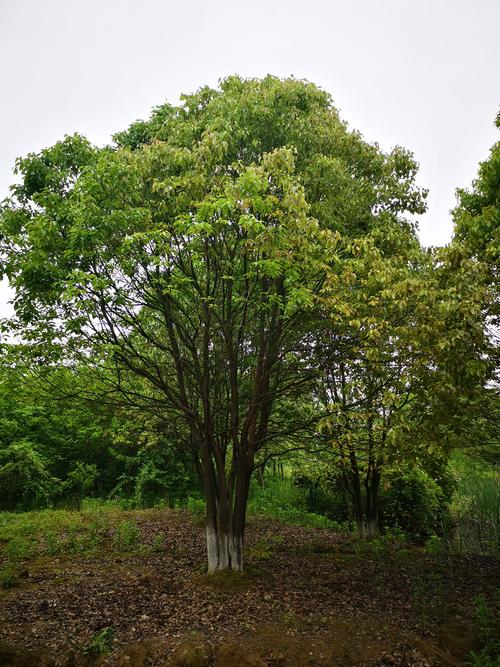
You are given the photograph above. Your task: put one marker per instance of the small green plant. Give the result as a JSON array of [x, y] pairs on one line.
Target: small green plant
[[19, 547], [158, 542], [489, 655], [196, 506], [264, 548], [127, 535], [435, 546], [395, 534], [53, 545], [9, 577], [101, 643]]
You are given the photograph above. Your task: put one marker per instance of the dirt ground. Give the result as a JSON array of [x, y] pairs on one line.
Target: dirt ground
[[309, 597]]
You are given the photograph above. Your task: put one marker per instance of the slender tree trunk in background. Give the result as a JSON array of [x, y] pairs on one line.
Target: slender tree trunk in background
[[357, 504], [372, 523]]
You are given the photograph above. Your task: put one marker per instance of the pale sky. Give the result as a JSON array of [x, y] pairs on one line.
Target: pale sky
[[424, 74]]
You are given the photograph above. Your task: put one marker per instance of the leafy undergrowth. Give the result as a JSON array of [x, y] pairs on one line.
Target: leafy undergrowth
[[128, 588]]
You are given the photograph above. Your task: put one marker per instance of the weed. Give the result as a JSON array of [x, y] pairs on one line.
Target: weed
[[53, 545], [196, 506], [101, 643], [265, 547], [435, 546], [9, 576], [19, 548], [158, 542], [127, 535], [489, 655]]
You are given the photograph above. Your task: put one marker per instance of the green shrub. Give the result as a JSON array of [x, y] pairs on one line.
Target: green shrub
[[281, 499], [489, 655], [81, 480], [196, 506], [19, 548], [411, 501], [435, 545], [324, 494], [25, 480]]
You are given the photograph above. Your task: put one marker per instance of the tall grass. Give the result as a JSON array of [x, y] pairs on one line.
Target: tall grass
[[280, 499], [475, 506]]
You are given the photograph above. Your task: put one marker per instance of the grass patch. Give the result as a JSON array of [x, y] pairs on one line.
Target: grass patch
[[9, 577], [96, 529]]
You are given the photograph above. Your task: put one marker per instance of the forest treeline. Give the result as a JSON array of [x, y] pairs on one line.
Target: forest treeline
[[231, 303]]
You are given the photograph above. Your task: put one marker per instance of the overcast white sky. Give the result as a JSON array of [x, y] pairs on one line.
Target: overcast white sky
[[424, 74]]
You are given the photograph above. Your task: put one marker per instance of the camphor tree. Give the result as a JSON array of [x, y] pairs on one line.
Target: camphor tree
[[191, 256]]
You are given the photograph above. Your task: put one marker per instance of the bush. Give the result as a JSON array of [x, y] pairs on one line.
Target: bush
[[196, 506], [81, 480], [411, 501], [24, 477]]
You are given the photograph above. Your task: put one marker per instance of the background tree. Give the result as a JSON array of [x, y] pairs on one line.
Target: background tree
[[477, 236], [400, 353]]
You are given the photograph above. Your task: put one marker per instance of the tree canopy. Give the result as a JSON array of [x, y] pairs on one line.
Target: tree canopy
[[211, 264]]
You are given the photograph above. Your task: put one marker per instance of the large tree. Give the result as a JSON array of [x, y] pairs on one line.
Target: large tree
[[192, 256]]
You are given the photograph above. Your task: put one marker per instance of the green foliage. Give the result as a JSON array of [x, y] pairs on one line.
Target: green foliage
[[24, 477], [158, 544], [127, 536], [324, 492], [81, 479], [475, 506], [435, 546], [412, 501], [489, 655], [196, 506], [29, 535], [9, 576], [101, 643], [264, 549], [282, 500], [58, 451]]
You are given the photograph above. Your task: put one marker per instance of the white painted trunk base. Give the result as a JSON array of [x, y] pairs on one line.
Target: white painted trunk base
[[224, 552]]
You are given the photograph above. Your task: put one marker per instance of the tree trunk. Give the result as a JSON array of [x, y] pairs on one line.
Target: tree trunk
[[372, 488], [225, 522], [366, 509], [224, 550]]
